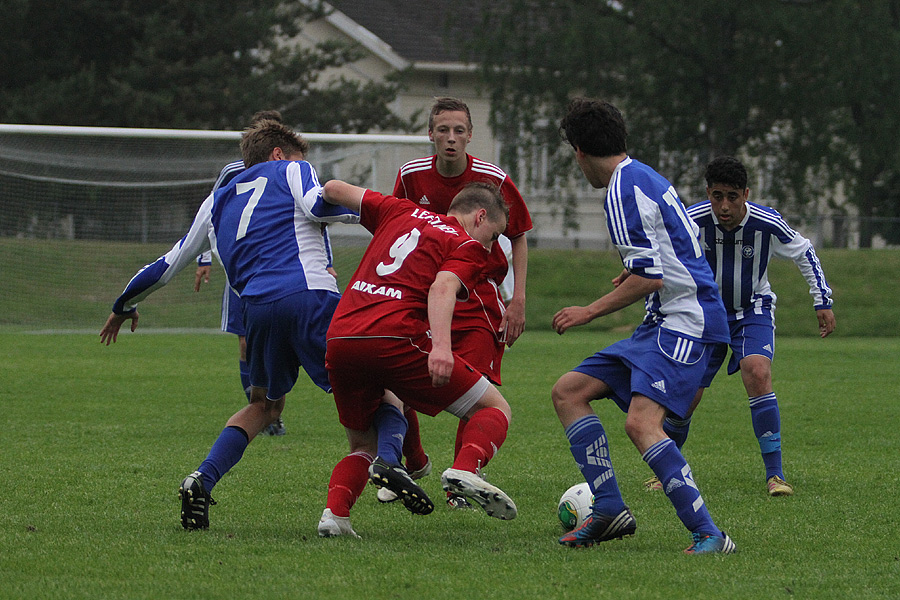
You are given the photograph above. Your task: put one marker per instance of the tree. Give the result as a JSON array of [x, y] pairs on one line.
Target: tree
[[844, 123], [775, 80], [201, 64]]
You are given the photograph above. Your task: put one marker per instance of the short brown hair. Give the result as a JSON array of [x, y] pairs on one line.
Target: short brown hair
[[258, 141], [448, 104], [481, 194]]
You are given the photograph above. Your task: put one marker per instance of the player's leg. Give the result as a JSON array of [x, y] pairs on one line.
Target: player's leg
[[756, 372], [453, 500], [677, 429], [754, 357], [416, 458], [484, 434], [386, 472], [610, 518], [348, 480], [644, 428], [418, 464], [667, 371], [226, 451], [243, 366]]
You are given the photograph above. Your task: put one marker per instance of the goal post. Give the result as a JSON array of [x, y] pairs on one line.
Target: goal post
[[83, 208]]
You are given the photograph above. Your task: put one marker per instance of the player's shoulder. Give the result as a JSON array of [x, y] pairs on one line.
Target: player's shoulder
[[229, 172], [699, 210], [417, 165], [766, 215], [483, 167], [237, 165]]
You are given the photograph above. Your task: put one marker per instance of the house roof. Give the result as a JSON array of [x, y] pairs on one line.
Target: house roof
[[421, 33]]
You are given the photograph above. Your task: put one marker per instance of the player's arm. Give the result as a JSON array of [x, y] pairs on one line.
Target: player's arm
[[441, 301], [157, 274], [801, 251], [343, 194], [514, 319], [629, 291]]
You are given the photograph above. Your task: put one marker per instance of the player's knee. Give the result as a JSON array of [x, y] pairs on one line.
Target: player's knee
[[640, 429], [565, 394], [492, 399]]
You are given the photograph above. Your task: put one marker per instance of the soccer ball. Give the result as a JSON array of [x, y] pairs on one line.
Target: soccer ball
[[575, 506]]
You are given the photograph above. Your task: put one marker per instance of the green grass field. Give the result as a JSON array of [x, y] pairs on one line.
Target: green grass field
[[95, 441], [70, 285]]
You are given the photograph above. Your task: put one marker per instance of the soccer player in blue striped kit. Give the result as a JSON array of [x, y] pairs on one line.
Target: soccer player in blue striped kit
[[232, 308], [739, 239], [265, 228], [658, 370]]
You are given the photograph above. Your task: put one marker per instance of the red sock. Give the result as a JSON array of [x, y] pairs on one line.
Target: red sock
[[412, 443], [459, 436], [482, 437], [348, 480]]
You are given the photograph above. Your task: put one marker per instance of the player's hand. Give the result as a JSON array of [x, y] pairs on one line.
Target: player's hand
[[110, 330], [440, 366], [570, 317], [202, 274], [618, 279], [513, 321], [332, 272], [826, 321]]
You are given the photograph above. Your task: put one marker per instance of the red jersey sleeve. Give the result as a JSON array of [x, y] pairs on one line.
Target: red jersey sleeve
[[374, 208], [399, 188], [519, 217], [466, 262]]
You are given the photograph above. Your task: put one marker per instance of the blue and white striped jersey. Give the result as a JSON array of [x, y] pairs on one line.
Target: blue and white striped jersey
[[227, 173], [656, 239], [264, 226], [740, 258]]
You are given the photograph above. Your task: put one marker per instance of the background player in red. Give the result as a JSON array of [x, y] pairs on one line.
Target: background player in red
[[391, 330], [484, 324]]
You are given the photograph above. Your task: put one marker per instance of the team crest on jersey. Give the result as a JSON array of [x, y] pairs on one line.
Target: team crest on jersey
[[747, 252]]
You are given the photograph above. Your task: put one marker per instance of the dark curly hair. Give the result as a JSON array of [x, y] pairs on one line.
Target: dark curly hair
[[595, 127], [726, 170]]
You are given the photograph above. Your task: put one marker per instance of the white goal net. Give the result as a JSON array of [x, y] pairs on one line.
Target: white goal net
[[83, 208]]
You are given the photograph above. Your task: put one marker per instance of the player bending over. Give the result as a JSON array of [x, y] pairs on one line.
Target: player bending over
[[391, 330]]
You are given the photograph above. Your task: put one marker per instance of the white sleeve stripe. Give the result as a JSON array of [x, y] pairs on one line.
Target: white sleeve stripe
[[489, 168], [419, 164], [774, 220]]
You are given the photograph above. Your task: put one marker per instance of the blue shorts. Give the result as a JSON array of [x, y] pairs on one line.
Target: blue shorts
[[655, 362], [754, 334], [232, 313], [286, 334]]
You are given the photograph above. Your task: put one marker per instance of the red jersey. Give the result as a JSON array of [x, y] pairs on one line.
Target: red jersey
[[420, 181], [388, 294]]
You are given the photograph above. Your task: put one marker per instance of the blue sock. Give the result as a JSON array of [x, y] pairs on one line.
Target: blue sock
[[767, 428], [591, 452], [391, 425], [677, 429], [675, 474], [245, 377], [224, 454]]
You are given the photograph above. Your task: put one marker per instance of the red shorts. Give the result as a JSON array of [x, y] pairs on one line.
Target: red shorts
[[480, 348], [361, 369]]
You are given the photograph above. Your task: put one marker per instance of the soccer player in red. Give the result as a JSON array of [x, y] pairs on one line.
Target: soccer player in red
[[484, 324], [391, 330]]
